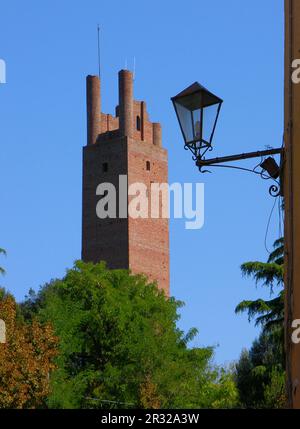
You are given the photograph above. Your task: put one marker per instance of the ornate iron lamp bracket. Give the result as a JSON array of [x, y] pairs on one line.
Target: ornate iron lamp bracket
[[269, 169]]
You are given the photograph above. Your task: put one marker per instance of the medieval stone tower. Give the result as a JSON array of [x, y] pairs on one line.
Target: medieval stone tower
[[127, 144]]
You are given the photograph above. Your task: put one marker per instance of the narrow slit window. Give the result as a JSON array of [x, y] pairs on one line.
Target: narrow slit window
[[138, 123], [148, 165]]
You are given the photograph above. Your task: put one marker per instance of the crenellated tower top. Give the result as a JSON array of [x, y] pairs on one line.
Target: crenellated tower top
[[131, 118]]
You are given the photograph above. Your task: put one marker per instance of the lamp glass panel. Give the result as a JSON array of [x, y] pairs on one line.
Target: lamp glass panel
[[185, 118], [209, 119], [197, 124]]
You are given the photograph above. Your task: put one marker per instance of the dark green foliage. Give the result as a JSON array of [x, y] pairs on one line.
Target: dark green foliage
[[120, 345], [260, 372], [260, 375], [271, 311], [268, 313]]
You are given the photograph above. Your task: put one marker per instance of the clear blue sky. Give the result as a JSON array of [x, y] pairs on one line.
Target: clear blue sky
[[235, 48]]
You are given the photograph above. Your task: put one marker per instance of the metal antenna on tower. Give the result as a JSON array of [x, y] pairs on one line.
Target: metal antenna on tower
[[98, 34]]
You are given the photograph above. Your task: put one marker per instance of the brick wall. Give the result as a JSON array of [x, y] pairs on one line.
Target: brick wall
[[148, 238]]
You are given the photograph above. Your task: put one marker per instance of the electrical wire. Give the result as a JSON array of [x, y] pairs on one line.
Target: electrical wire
[[280, 228], [268, 225]]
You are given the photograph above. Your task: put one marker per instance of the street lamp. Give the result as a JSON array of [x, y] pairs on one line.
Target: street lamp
[[197, 111]]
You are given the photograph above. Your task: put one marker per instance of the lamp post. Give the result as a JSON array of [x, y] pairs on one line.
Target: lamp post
[[197, 111]]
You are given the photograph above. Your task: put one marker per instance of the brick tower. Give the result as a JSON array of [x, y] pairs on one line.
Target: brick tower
[[127, 144]]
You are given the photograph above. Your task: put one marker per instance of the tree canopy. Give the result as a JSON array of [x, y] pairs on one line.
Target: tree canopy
[[120, 345], [260, 372]]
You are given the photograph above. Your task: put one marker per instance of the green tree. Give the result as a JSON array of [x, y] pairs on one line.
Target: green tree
[[260, 376], [120, 345], [268, 313], [260, 371]]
